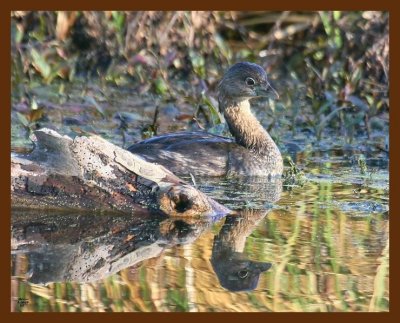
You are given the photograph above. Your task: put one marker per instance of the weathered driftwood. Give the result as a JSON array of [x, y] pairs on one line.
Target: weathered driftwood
[[90, 173]]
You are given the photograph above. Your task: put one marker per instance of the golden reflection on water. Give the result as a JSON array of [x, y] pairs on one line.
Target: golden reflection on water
[[323, 259]]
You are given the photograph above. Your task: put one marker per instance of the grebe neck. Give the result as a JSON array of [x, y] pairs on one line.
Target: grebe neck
[[246, 129]]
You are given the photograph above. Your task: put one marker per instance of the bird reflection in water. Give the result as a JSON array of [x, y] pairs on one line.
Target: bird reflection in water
[[234, 270]]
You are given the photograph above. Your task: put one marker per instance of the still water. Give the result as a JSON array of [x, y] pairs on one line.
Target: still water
[[321, 244], [321, 247]]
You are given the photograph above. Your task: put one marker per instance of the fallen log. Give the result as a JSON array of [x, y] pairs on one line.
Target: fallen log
[[90, 173]]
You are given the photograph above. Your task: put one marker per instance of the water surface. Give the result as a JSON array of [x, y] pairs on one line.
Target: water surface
[[319, 244]]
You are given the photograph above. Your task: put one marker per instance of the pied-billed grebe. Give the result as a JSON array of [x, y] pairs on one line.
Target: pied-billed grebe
[[252, 152]]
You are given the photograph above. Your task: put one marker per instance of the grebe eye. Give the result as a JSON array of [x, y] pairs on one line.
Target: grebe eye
[[250, 81], [243, 273]]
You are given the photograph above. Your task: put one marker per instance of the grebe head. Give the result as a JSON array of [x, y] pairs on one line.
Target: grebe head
[[244, 81]]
